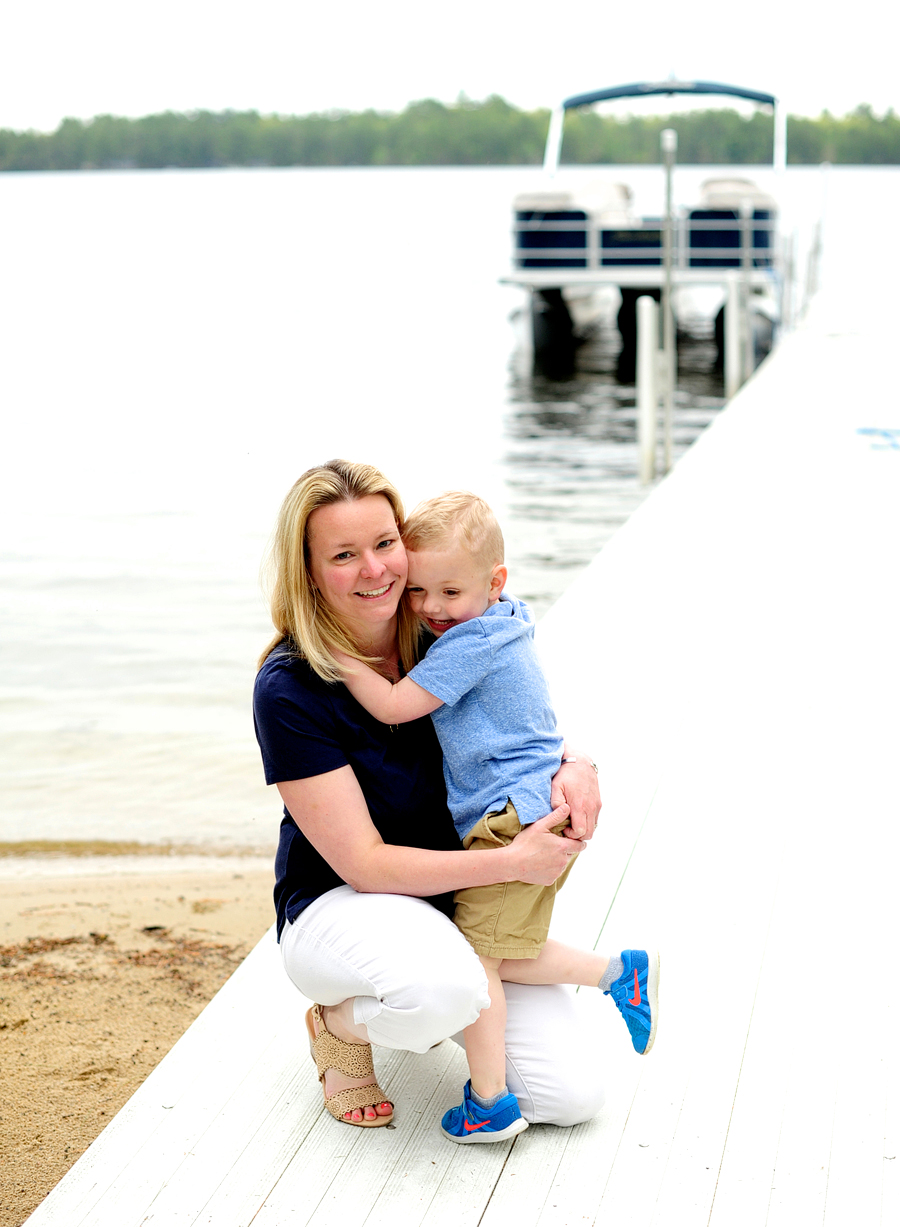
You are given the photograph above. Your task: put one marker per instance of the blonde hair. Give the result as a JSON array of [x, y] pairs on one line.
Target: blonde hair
[[456, 517], [303, 622]]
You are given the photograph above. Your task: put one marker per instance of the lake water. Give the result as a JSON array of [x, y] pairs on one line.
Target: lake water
[[178, 348]]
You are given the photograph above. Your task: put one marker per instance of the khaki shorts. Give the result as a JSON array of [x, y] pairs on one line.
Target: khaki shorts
[[508, 920]]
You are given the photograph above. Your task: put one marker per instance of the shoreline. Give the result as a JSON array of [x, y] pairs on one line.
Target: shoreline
[[149, 862], [102, 968]]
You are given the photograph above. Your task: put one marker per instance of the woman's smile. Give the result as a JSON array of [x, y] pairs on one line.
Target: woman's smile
[[376, 592]]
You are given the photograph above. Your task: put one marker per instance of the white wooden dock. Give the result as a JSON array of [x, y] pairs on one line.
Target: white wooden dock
[[731, 658]]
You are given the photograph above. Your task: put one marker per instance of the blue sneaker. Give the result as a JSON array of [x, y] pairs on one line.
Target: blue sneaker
[[469, 1123], [636, 994]]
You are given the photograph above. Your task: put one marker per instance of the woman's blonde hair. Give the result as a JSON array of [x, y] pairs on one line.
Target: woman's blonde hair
[[304, 623]]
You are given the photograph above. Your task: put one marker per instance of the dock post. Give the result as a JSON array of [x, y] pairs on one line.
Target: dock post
[[787, 282], [669, 144], [554, 142], [647, 389], [748, 348], [733, 337]]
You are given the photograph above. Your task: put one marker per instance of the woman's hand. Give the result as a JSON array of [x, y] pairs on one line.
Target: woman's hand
[[575, 784], [537, 855]]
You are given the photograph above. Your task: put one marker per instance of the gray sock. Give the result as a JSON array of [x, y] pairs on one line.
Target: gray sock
[[487, 1104], [612, 973]]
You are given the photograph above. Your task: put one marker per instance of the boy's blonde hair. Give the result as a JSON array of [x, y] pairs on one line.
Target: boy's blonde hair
[[456, 517]]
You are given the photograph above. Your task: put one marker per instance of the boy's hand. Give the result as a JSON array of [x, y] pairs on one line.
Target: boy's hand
[[575, 784]]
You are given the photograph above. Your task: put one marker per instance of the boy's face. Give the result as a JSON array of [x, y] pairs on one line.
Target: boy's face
[[446, 587]]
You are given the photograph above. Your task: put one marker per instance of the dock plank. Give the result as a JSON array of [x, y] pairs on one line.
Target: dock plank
[[856, 1167], [576, 1191], [271, 1128], [528, 1174], [435, 1182], [468, 1186], [800, 1178], [890, 1178], [714, 932], [338, 1173]]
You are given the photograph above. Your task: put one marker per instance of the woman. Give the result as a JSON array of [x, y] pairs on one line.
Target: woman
[[368, 858]]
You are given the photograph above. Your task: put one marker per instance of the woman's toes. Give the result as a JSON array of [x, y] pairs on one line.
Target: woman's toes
[[369, 1112]]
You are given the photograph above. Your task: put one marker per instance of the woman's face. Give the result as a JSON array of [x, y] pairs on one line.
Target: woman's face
[[358, 563]]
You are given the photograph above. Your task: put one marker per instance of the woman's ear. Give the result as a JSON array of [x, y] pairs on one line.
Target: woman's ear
[[498, 581]]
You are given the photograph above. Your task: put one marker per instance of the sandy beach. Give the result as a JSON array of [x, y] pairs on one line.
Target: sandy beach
[[99, 976]]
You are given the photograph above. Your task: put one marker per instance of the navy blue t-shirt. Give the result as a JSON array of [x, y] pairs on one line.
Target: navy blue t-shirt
[[306, 726]]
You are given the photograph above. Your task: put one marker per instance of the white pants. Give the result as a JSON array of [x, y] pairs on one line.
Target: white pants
[[416, 981]]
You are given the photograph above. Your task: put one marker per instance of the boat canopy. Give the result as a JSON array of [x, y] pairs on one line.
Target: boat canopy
[[643, 89], [640, 89]]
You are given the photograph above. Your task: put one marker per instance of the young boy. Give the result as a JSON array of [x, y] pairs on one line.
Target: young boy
[[483, 686]]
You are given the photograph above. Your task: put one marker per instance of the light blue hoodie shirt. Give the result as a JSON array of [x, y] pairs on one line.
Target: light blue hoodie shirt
[[496, 728]]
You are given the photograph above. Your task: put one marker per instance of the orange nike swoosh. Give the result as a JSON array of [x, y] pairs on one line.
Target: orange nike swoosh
[[636, 999], [471, 1128]]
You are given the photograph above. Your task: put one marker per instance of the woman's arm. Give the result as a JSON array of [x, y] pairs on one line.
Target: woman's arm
[[575, 784], [331, 812], [391, 703]]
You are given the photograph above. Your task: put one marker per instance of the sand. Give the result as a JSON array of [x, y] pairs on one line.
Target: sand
[[99, 976]]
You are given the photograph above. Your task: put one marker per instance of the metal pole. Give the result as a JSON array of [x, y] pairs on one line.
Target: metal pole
[[554, 142], [787, 283], [814, 265], [747, 350], [779, 165], [647, 394], [733, 337], [779, 142], [669, 143]]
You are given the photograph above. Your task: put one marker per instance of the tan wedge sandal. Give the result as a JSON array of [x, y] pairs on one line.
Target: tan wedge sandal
[[351, 1060]]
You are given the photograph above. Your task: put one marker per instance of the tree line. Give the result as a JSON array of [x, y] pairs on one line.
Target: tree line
[[430, 133]]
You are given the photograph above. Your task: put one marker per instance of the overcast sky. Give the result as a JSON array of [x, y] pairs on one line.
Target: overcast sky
[[134, 57]]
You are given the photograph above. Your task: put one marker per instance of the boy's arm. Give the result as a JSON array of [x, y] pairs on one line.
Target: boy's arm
[[389, 703]]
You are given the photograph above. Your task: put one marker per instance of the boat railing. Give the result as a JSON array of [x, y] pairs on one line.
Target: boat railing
[[702, 238]]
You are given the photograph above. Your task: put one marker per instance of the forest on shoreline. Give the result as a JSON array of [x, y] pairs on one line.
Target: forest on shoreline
[[430, 133]]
